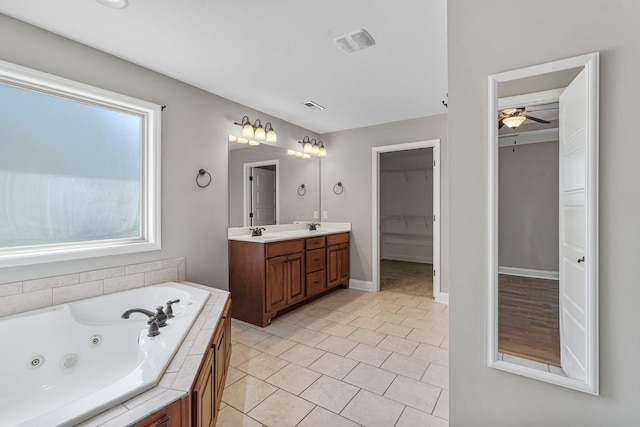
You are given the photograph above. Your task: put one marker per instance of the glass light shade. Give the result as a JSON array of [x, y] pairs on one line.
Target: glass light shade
[[306, 156], [271, 136], [315, 149], [307, 147], [514, 122], [298, 154], [260, 133], [322, 152], [291, 153], [242, 140], [252, 142], [247, 130]]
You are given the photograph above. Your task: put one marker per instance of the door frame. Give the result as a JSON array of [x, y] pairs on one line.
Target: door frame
[[246, 188], [375, 232]]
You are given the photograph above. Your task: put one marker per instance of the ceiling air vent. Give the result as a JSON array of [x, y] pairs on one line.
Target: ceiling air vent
[[313, 105], [355, 40]]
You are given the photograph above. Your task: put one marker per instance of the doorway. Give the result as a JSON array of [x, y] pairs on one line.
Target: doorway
[[261, 193], [406, 218]]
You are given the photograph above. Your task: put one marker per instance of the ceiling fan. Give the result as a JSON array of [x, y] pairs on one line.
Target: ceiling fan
[[514, 117]]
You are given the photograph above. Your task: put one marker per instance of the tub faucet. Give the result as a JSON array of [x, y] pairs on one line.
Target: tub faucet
[[153, 326], [160, 316], [257, 232], [313, 225]]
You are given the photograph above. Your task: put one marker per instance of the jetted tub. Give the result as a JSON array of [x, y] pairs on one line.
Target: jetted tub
[[64, 364]]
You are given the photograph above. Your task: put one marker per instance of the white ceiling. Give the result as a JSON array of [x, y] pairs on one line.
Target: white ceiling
[[274, 55]]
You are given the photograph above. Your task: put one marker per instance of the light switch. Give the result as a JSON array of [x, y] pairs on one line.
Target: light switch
[[324, 215], [315, 214]]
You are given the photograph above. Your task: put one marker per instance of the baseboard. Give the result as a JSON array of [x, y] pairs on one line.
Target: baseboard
[[443, 298], [528, 272], [407, 258], [361, 285]]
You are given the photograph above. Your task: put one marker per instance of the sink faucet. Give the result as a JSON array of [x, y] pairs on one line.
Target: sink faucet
[[313, 225], [257, 232], [159, 316]]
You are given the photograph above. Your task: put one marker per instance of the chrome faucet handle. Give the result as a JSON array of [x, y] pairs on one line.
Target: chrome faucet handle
[[169, 309], [161, 316], [313, 225], [256, 232], [153, 327]]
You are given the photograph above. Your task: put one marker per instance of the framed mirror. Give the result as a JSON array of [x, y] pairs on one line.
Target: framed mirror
[[267, 186], [543, 212]]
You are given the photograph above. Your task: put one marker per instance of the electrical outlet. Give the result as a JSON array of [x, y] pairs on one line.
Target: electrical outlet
[[315, 214], [324, 215]]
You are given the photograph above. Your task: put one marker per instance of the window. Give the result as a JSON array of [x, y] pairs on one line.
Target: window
[[79, 170]]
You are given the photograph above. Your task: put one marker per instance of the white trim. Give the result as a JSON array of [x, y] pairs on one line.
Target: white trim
[[150, 170], [246, 191], [444, 298], [544, 97], [532, 137], [528, 272], [590, 62], [362, 285], [375, 232]]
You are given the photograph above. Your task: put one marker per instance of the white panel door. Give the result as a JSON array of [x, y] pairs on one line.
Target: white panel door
[[263, 196], [575, 195]]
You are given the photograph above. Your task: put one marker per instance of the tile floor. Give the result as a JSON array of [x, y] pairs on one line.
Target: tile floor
[[349, 358]]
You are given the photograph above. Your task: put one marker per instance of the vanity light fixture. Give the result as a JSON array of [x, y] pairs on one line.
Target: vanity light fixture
[[115, 4], [259, 134], [513, 121], [306, 156], [253, 142], [310, 146], [322, 152], [291, 153], [315, 148], [271, 134], [256, 130], [233, 138], [306, 144], [242, 140]]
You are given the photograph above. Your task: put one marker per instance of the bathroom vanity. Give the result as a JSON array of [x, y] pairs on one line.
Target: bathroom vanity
[[278, 271]]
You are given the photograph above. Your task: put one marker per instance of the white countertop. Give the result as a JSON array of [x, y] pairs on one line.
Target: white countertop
[[297, 230]]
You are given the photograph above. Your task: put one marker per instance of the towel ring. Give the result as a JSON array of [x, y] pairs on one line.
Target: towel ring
[[302, 190], [340, 187], [202, 172]]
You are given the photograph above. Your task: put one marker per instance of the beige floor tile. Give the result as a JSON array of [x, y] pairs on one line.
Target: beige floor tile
[[432, 354], [340, 317], [405, 365], [437, 317], [281, 409], [371, 410], [391, 317], [283, 329], [337, 345], [293, 378], [315, 311], [302, 355], [422, 324], [413, 393], [339, 330], [274, 345], [366, 336], [442, 408], [233, 375], [366, 312], [315, 324], [308, 337], [410, 300], [437, 375], [330, 393], [246, 393], [398, 345], [370, 378], [445, 342], [231, 417], [294, 317], [396, 330], [416, 313], [251, 337], [333, 365], [241, 353], [368, 354], [367, 323], [427, 337], [262, 366], [413, 418], [320, 417], [388, 307]]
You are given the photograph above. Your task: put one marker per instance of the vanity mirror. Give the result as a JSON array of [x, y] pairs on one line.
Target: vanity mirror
[[284, 188], [543, 232]]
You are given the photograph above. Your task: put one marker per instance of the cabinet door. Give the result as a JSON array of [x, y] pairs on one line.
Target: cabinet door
[[169, 416], [203, 393], [276, 292], [220, 356], [333, 265], [296, 276], [344, 264]]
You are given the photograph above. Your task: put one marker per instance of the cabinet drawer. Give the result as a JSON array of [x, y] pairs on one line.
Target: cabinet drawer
[[284, 248], [315, 242], [316, 282], [334, 239], [315, 260]]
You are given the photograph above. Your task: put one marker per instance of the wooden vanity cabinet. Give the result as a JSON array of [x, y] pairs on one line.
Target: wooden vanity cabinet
[[173, 415], [338, 260]]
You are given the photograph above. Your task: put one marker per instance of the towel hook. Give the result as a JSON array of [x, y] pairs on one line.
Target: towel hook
[[202, 172], [340, 187], [302, 190]]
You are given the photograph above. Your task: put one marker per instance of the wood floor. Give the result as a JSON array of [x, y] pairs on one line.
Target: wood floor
[[409, 278], [528, 321]]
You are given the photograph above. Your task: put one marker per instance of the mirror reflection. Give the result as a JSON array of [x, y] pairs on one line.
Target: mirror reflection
[[265, 186], [545, 225]]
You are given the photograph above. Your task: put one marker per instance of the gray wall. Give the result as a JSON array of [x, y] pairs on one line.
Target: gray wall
[[528, 206], [349, 161], [485, 38], [195, 126]]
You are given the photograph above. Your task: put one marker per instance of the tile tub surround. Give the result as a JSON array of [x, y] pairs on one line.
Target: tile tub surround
[[18, 297], [177, 379], [350, 358]]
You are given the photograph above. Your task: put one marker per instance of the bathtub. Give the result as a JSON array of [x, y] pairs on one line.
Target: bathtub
[[64, 364]]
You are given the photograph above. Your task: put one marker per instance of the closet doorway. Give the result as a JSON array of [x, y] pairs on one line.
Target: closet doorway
[[406, 218]]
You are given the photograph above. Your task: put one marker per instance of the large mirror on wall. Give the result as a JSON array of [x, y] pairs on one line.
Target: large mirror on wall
[[267, 186], [543, 237]]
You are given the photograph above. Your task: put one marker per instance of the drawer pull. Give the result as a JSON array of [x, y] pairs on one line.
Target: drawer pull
[[162, 422], [316, 259], [317, 281]]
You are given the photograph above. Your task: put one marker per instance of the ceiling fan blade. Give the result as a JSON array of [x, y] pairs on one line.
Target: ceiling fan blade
[[535, 119]]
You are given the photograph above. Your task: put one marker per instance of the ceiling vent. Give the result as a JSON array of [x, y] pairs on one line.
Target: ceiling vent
[[355, 40], [313, 105]]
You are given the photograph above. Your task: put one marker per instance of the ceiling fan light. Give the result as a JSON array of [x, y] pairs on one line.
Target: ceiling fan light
[[513, 121]]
